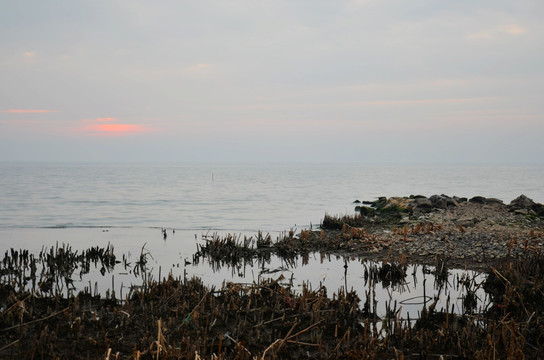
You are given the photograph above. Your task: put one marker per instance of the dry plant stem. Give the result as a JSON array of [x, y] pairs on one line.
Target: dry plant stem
[[305, 330], [238, 343], [339, 343], [499, 274], [288, 338], [301, 343], [22, 301], [10, 344], [37, 320], [270, 347]]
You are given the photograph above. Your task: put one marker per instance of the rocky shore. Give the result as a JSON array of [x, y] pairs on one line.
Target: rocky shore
[[181, 318], [470, 233]]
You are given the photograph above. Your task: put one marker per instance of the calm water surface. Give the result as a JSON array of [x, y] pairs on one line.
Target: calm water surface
[[126, 205], [231, 197]]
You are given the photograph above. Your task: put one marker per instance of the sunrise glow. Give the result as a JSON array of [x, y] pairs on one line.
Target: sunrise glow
[[115, 129], [28, 111]]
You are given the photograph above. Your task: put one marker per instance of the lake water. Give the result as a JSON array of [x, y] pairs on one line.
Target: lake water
[[127, 205], [231, 197]]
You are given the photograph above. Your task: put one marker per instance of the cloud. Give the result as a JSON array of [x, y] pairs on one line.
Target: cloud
[[28, 111], [363, 103], [497, 32], [110, 126], [480, 35], [29, 56], [117, 129], [420, 101], [514, 29], [198, 68]]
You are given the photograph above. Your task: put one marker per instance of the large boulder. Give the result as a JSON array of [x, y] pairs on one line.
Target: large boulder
[[522, 204], [494, 201], [366, 211], [439, 201], [422, 205], [478, 200]]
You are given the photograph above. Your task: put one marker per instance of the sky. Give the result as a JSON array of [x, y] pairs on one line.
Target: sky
[[366, 81]]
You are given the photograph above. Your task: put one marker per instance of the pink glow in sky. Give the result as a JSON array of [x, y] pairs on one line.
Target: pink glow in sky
[[347, 80], [116, 129], [110, 126], [28, 111]]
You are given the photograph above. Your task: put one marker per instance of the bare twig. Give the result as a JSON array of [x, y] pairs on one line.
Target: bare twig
[[37, 320], [10, 344]]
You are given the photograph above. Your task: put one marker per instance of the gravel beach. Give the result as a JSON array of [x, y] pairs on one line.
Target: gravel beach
[[470, 234]]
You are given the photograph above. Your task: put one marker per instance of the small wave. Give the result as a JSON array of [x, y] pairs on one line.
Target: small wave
[[60, 226]]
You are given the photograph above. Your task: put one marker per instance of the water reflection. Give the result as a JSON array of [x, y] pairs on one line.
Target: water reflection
[[408, 288], [387, 290]]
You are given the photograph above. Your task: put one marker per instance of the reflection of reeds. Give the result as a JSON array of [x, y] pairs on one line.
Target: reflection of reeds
[[181, 318], [57, 267]]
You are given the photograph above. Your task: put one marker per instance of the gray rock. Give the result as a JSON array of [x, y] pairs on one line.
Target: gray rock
[[494, 201], [521, 202], [438, 201], [478, 200], [466, 222], [460, 200], [538, 209], [423, 205], [366, 211]]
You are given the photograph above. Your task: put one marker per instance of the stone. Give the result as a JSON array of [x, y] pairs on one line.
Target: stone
[[466, 222], [438, 201], [521, 202], [494, 201], [538, 209], [478, 200], [422, 205], [366, 211], [460, 200]]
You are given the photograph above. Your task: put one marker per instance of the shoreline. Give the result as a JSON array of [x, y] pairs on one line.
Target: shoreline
[[177, 318]]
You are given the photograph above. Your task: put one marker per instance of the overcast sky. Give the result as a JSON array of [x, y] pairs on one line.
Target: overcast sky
[[368, 81]]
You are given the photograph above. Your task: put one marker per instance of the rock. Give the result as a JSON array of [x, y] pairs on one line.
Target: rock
[[357, 202], [521, 202], [451, 202], [366, 210], [460, 200], [494, 201], [437, 202], [538, 209], [466, 222], [400, 203], [417, 197], [422, 205], [441, 201], [380, 203], [478, 200]]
